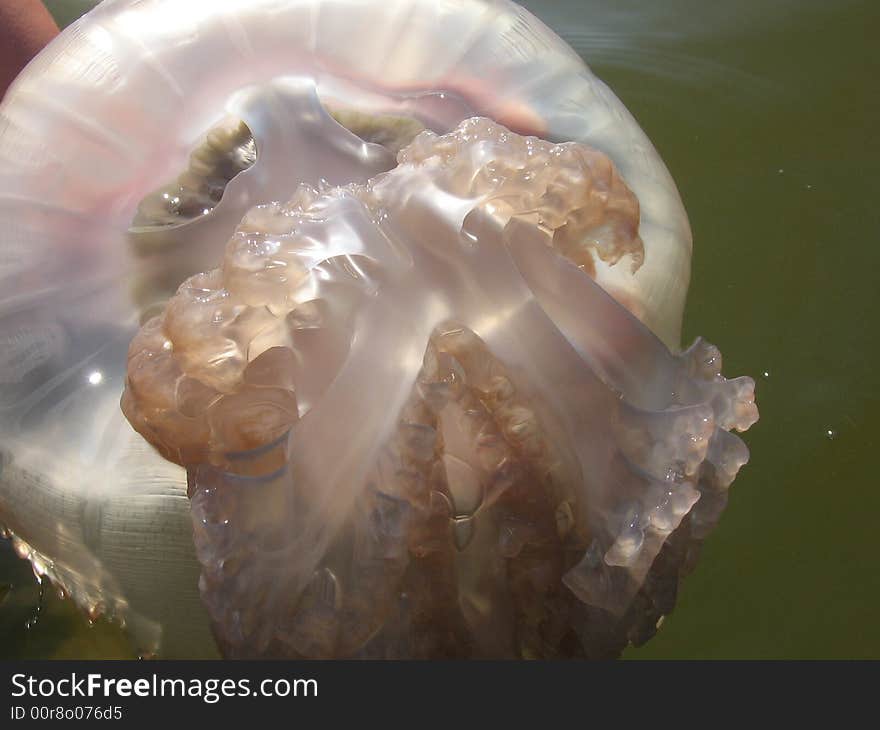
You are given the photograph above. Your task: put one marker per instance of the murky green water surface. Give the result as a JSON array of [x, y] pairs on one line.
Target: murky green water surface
[[766, 113]]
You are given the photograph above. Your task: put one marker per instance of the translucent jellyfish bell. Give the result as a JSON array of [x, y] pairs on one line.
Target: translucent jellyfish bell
[[430, 404]]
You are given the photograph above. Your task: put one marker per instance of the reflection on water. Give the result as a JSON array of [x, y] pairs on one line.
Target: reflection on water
[[765, 114]]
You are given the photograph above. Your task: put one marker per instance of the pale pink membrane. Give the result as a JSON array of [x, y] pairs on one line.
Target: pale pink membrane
[[339, 536]]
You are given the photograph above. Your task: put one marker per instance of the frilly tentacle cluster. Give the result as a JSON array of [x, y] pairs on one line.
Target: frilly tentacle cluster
[[401, 441], [570, 190], [683, 459], [228, 336]]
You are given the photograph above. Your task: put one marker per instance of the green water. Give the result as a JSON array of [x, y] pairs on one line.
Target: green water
[[766, 114]]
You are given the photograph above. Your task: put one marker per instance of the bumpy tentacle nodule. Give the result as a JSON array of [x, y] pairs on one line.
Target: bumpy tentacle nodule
[[415, 426]]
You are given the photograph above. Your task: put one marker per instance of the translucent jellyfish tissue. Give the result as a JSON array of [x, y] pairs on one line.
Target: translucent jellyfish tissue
[[390, 294]]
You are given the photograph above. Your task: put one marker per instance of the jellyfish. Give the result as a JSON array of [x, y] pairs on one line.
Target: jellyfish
[[349, 329]]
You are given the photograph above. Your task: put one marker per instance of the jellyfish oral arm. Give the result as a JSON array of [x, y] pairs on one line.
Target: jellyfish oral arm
[[464, 238]]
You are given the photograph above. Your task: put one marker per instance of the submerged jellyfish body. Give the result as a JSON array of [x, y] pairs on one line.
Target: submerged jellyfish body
[[429, 405]]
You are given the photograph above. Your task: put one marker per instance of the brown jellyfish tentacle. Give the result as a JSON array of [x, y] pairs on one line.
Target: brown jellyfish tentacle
[[397, 424], [328, 459]]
